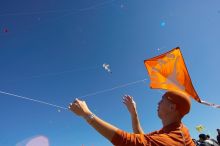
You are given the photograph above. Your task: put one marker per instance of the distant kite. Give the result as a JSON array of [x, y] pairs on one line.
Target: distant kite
[[107, 67], [5, 30], [200, 128], [162, 24]]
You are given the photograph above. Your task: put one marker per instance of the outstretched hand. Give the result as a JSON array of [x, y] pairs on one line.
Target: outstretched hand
[[130, 104], [80, 108]]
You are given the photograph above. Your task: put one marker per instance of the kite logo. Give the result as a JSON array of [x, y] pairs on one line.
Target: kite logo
[[172, 78]]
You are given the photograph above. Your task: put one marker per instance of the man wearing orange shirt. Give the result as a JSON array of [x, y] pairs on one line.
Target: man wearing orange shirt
[[171, 109]]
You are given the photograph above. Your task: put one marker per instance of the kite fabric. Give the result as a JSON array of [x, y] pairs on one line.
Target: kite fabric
[[200, 128], [107, 67], [168, 71]]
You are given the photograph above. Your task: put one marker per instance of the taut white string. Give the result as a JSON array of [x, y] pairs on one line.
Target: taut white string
[[90, 94], [31, 99], [111, 89]]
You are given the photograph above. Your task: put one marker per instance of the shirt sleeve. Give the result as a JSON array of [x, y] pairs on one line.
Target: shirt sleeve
[[122, 138]]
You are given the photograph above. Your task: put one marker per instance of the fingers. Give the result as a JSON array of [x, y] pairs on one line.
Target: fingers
[[79, 107], [128, 101], [75, 104], [127, 98], [76, 100], [124, 99]]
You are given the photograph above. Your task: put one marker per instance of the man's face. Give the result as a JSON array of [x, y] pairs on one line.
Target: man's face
[[164, 107], [201, 140]]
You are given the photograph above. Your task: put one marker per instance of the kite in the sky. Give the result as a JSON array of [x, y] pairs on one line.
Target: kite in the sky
[[107, 67], [5, 30], [162, 24], [168, 71], [200, 128]]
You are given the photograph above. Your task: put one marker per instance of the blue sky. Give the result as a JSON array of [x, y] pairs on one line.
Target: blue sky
[[54, 51]]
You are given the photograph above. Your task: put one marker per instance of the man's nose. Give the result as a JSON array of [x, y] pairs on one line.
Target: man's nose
[[159, 102]]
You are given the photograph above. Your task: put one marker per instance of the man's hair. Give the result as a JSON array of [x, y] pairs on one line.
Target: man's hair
[[218, 130], [181, 100], [207, 136], [203, 136]]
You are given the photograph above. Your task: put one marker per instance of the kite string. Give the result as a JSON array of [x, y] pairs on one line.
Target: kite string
[[31, 99], [68, 13], [111, 89], [58, 11], [56, 73], [90, 94], [81, 10]]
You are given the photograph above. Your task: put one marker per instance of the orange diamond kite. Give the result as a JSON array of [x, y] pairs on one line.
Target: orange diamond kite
[[168, 71]]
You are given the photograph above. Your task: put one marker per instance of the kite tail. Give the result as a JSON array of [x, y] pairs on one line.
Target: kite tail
[[210, 104]]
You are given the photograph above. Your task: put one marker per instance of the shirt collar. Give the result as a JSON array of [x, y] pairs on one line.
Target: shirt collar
[[170, 127]]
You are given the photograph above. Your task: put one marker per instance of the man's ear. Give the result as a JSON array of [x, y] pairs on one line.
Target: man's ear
[[173, 106]]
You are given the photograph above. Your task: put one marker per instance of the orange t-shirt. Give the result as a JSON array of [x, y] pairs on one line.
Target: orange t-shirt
[[175, 134]]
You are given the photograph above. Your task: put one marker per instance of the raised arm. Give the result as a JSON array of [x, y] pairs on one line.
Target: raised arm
[[131, 106], [81, 109]]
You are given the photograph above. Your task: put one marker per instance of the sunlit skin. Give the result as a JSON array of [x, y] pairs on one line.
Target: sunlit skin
[[81, 109], [171, 109], [131, 106], [167, 112]]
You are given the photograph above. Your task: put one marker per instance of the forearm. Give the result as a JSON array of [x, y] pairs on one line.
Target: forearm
[[136, 124], [104, 128]]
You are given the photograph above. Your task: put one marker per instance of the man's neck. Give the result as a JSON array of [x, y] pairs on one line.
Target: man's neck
[[169, 121]]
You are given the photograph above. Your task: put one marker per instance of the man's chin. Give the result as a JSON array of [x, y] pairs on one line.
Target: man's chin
[[158, 114]]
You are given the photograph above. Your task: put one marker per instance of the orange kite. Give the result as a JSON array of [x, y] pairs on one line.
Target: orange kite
[[168, 71]]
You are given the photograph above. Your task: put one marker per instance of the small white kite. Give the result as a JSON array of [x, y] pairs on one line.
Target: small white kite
[[107, 67]]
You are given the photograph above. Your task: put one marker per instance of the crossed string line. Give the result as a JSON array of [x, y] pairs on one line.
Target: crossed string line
[[87, 95], [59, 11], [67, 12]]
